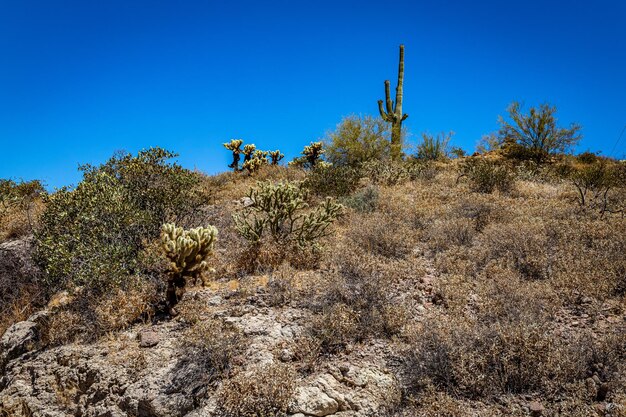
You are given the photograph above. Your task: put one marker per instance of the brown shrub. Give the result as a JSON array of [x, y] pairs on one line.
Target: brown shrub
[[474, 360], [381, 235], [262, 392], [207, 351], [87, 316], [524, 246], [355, 300]]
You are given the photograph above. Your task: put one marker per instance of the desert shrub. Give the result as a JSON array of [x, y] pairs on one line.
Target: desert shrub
[[18, 193], [335, 328], [587, 157], [357, 140], [394, 173], [20, 207], [385, 173], [91, 235], [187, 251], [594, 182], [278, 211], [332, 180], [121, 308], [365, 200], [458, 152], [261, 392], [382, 235], [479, 212], [475, 360], [526, 247], [486, 176], [354, 302], [207, 352], [443, 233], [434, 148], [20, 294], [84, 316], [535, 135]]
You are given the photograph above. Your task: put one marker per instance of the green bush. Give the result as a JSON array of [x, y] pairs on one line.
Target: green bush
[[278, 211], [18, 193], [434, 148], [486, 176], [91, 235], [365, 200], [357, 140], [332, 180]]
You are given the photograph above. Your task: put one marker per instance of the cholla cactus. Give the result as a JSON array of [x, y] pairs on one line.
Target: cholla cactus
[[187, 251], [280, 211], [310, 155], [235, 146], [248, 152], [260, 155], [276, 156], [254, 164]]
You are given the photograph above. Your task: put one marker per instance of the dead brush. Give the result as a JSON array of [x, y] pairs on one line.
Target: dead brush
[[473, 360], [381, 235], [207, 352], [354, 302], [261, 392]]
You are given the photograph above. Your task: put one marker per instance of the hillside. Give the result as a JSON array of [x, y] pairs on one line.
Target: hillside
[[476, 286]]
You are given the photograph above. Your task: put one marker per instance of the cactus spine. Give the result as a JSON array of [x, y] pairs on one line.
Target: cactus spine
[[393, 113], [235, 146], [187, 251]]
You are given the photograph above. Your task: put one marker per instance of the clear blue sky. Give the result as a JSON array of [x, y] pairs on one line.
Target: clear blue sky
[[81, 79]]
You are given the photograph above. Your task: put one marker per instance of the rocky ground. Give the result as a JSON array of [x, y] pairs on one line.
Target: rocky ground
[[130, 374]]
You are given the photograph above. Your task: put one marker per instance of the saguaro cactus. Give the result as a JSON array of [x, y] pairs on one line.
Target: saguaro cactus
[[393, 112], [187, 251], [235, 146]]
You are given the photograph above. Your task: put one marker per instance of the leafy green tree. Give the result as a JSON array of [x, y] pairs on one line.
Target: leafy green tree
[[537, 131], [357, 140]]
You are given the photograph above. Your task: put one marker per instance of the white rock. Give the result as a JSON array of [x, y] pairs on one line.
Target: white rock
[[314, 402]]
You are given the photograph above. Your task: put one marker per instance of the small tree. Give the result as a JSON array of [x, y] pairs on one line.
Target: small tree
[[537, 131], [357, 140]]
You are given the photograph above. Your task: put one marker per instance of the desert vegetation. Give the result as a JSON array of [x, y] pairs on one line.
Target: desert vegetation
[[491, 284]]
